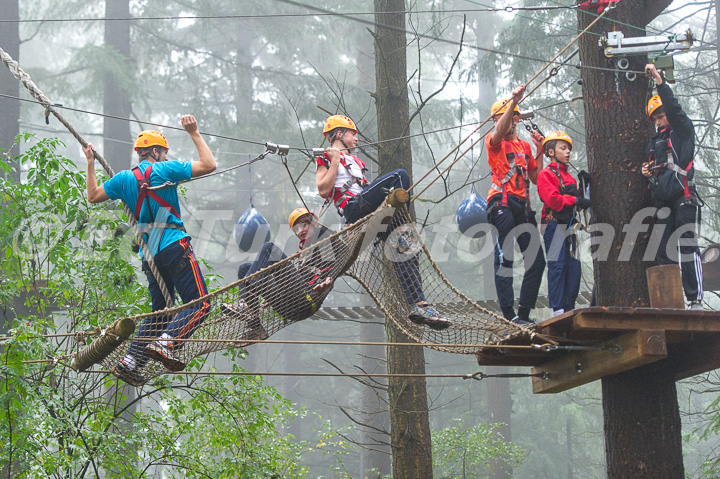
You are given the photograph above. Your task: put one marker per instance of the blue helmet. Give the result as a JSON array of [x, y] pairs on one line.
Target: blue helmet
[[471, 213], [251, 230]]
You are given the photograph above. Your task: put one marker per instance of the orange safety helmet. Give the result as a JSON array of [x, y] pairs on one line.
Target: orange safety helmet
[[557, 135], [654, 103], [148, 138], [338, 121], [501, 106], [299, 213]]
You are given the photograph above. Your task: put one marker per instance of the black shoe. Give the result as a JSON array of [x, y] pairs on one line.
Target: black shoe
[[128, 375], [165, 355], [429, 316], [522, 322]]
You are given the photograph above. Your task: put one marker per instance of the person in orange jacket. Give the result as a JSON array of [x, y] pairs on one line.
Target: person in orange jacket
[[513, 167]]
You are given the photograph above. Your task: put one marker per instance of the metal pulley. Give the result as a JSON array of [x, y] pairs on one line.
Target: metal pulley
[[251, 230], [472, 213]]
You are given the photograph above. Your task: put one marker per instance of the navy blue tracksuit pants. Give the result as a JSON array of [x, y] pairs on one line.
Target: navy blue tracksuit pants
[[369, 200], [563, 269]]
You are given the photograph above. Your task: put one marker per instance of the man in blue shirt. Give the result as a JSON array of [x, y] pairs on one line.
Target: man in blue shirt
[[158, 216]]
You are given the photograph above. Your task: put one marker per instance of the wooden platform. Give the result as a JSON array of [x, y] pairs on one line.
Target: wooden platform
[[605, 341]]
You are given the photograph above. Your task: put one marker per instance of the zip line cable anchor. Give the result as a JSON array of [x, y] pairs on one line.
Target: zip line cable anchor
[[615, 44], [276, 149]]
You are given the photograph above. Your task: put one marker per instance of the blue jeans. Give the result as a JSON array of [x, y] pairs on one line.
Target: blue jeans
[[180, 272], [506, 220], [564, 271], [370, 199]]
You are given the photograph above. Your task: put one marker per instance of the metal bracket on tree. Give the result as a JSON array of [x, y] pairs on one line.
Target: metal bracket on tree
[[617, 45]]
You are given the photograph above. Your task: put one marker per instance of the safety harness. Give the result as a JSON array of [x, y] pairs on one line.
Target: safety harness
[[559, 216], [516, 171], [671, 165], [144, 195], [341, 194]]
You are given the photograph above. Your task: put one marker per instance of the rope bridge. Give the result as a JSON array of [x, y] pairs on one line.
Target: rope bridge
[[383, 252]]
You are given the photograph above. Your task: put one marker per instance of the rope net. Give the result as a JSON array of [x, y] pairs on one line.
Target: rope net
[[383, 252]]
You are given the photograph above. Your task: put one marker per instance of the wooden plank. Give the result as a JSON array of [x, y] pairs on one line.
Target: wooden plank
[[695, 357], [665, 287], [349, 312], [578, 368], [687, 322]]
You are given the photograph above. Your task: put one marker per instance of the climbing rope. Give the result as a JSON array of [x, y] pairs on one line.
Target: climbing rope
[[21, 75], [552, 73]]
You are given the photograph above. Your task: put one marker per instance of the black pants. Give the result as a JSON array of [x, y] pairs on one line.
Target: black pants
[[514, 223], [679, 233]]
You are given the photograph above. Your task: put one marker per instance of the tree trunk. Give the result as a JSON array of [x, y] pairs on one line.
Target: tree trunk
[[642, 422], [116, 92], [10, 118], [409, 423], [374, 412]]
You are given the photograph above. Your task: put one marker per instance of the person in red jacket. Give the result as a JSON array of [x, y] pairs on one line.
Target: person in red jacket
[[513, 167], [560, 196]]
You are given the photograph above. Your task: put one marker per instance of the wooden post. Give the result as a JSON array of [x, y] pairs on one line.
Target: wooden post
[[397, 197], [103, 346], [665, 287]]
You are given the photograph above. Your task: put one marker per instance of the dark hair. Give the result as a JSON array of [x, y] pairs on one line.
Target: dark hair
[[550, 145], [143, 152], [660, 109], [333, 134]]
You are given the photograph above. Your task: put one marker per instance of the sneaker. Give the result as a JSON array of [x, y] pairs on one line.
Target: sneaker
[[405, 241], [695, 306], [233, 309], [165, 355], [128, 375], [429, 316], [522, 322]]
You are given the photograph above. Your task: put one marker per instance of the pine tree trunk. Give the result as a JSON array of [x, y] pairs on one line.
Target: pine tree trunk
[[642, 422], [10, 118], [409, 423], [116, 94]]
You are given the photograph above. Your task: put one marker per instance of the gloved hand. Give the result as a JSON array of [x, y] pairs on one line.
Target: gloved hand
[[584, 176], [582, 203]]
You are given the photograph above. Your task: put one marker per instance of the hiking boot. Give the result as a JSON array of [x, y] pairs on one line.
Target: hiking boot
[[234, 309], [128, 375], [429, 316], [522, 322], [695, 306], [165, 355]]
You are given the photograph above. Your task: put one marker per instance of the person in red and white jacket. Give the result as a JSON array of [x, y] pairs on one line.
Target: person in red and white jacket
[[558, 191], [340, 178]]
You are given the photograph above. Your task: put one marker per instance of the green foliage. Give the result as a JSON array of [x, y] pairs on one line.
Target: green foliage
[[468, 452], [65, 269]]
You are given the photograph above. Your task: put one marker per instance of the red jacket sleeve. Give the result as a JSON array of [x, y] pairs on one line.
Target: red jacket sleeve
[[548, 187]]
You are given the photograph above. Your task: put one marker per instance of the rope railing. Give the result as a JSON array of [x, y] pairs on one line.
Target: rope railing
[[25, 79]]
